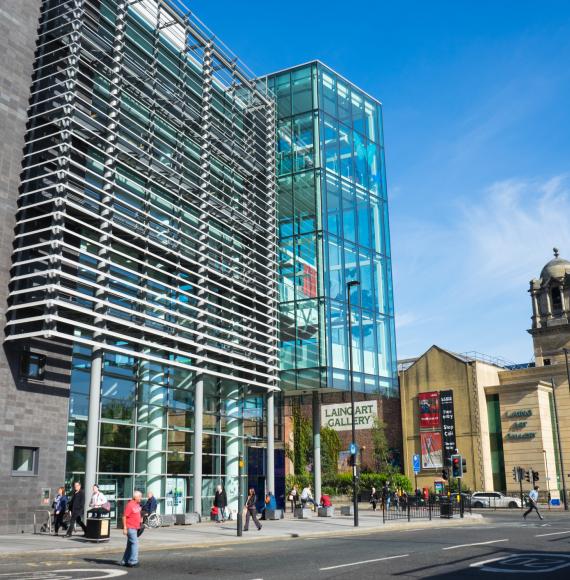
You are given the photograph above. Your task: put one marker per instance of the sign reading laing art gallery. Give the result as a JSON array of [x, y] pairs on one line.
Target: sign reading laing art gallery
[[339, 417]]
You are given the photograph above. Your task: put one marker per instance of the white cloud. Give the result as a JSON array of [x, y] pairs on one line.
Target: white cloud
[[510, 234], [461, 279]]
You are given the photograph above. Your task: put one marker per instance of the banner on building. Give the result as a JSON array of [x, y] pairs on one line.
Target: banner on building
[[429, 410], [432, 452], [447, 425], [339, 417]]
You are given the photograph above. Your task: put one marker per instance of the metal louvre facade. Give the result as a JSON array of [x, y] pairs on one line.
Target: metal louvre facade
[[146, 241], [147, 205]]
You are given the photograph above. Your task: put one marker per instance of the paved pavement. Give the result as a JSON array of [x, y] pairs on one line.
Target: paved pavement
[[501, 544], [205, 534]]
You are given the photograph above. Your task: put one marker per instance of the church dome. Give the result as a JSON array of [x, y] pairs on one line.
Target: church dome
[[557, 268]]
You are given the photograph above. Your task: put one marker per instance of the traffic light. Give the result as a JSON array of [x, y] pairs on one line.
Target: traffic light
[[445, 474], [456, 466], [535, 476], [463, 466], [515, 474], [527, 475]]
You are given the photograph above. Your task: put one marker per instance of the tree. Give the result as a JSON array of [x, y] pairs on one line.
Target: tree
[[380, 445]]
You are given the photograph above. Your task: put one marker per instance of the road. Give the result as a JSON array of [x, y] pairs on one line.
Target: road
[[502, 546]]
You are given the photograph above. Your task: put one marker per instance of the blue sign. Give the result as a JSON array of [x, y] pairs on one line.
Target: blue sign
[[416, 462], [353, 448]]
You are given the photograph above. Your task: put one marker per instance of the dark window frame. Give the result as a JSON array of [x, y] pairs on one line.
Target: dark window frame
[[38, 360], [35, 462]]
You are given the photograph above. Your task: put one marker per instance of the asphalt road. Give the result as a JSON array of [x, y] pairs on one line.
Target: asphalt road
[[503, 546]]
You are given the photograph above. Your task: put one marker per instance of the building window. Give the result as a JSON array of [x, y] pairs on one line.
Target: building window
[[33, 365], [546, 362], [25, 461], [556, 299]]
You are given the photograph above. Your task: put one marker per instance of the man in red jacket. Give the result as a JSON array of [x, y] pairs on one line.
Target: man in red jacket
[[131, 526]]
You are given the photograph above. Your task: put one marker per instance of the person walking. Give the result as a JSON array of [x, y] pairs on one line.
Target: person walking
[[533, 501], [131, 527], [373, 498], [76, 507], [251, 510], [59, 508], [221, 502], [294, 497]]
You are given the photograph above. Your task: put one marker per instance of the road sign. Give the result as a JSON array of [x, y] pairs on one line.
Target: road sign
[[416, 462], [353, 448]]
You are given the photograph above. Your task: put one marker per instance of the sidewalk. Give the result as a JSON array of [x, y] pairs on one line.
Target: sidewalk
[[210, 534]]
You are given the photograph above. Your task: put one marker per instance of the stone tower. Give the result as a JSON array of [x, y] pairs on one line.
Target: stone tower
[[551, 311]]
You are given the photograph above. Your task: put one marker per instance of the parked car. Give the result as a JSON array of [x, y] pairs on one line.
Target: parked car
[[491, 499]]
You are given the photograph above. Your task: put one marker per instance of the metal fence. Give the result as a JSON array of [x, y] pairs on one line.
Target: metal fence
[[424, 510]]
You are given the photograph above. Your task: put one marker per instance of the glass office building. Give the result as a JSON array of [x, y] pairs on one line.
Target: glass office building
[[146, 241], [333, 228]]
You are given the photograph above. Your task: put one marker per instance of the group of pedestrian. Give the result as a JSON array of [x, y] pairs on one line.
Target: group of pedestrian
[[74, 506], [305, 497]]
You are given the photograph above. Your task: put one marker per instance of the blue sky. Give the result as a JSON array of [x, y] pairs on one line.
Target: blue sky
[[477, 127]]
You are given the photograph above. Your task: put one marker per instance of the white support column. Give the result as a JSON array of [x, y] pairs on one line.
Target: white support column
[[233, 443], [91, 454], [317, 444], [197, 458], [270, 480]]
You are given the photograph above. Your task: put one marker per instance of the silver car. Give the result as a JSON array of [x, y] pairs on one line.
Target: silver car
[[492, 499]]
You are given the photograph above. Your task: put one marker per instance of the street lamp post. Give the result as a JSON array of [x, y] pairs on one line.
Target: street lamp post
[[349, 286], [567, 370], [562, 474]]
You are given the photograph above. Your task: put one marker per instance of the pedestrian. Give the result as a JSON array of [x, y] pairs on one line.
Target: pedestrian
[[533, 501], [251, 510], [221, 502], [373, 498], [307, 497], [131, 527], [293, 497], [98, 504], [76, 507], [59, 508]]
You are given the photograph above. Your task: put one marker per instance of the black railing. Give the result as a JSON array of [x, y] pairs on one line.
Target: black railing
[[416, 509]]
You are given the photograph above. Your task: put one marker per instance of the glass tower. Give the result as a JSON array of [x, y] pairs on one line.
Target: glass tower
[[333, 228], [146, 242]]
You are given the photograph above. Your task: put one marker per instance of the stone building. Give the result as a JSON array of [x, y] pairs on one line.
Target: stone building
[[503, 416]]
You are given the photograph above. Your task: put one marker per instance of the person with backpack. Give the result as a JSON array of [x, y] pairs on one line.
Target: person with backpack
[[59, 508], [251, 510], [533, 503]]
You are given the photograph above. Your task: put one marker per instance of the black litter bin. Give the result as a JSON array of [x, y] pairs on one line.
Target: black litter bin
[[98, 527], [445, 509]]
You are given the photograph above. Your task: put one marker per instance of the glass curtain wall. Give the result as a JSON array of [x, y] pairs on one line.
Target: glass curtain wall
[[333, 228]]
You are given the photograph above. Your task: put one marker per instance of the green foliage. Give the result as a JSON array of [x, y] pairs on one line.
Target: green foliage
[[330, 448], [341, 484], [379, 446], [302, 480], [300, 453]]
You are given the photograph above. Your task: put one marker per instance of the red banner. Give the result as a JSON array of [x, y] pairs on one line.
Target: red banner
[[429, 410], [432, 449]]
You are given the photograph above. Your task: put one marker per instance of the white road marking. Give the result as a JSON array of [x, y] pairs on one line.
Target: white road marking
[[483, 562], [475, 544], [363, 562], [524, 563], [102, 574], [552, 534]]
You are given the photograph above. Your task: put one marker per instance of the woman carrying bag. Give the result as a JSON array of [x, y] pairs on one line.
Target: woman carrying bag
[[251, 510]]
